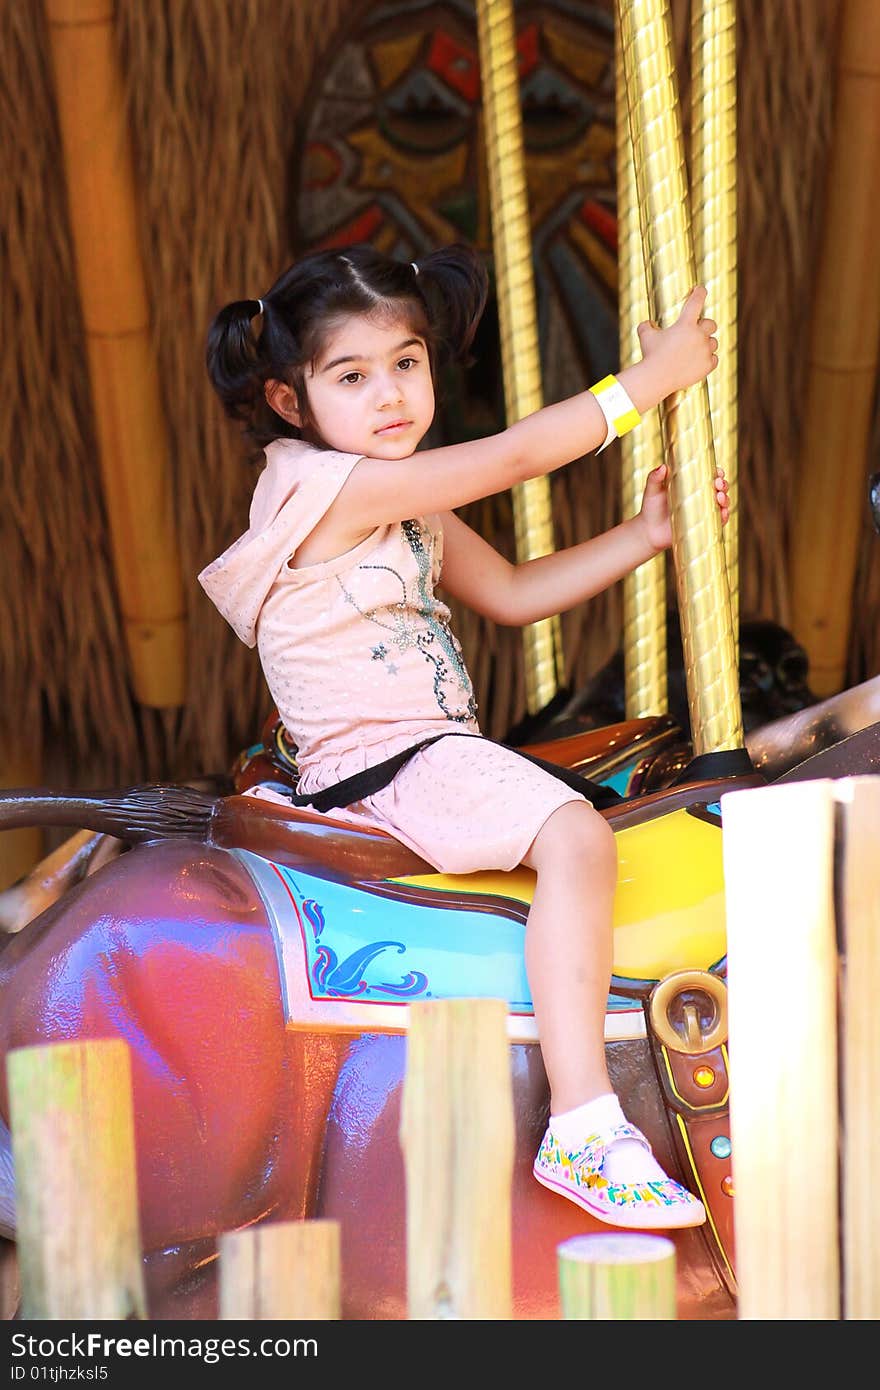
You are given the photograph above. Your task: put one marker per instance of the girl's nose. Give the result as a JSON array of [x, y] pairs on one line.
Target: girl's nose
[[389, 391]]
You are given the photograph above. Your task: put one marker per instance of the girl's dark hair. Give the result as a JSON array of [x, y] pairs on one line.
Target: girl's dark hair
[[444, 301]]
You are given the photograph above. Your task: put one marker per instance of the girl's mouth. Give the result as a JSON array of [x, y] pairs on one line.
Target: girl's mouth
[[395, 427]]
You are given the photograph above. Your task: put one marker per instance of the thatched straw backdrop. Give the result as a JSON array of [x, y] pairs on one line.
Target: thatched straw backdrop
[[216, 90]]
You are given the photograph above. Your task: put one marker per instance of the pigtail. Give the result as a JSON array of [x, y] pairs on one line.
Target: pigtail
[[233, 358], [240, 362], [455, 286]]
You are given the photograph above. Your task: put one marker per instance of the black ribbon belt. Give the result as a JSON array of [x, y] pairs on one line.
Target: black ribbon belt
[[373, 779]]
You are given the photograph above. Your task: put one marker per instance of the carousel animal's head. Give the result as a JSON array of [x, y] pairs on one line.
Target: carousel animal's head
[[774, 680], [773, 673]]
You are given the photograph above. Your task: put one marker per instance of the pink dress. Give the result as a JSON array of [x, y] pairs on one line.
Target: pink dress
[[361, 662]]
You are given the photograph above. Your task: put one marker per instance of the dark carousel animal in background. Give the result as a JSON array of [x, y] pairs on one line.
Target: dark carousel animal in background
[[774, 681]]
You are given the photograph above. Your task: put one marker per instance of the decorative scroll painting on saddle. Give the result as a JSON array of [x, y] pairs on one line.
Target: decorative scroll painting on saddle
[[355, 954]]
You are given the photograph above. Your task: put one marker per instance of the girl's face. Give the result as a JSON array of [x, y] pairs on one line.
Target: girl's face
[[370, 390]]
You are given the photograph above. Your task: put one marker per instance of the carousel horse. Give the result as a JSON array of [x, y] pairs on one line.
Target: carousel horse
[[259, 961]]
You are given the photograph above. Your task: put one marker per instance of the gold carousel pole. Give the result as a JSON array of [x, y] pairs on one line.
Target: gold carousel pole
[[698, 551], [644, 591], [123, 371], [713, 208], [512, 245]]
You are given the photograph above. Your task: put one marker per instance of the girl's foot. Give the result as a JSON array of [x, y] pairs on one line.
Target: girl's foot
[[581, 1175]]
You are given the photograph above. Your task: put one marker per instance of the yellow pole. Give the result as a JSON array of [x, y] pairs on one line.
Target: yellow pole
[[517, 317], [619, 1276], [698, 551], [713, 204], [78, 1232], [859, 800], [778, 849], [644, 591], [832, 476], [456, 1132], [281, 1270], [124, 377]]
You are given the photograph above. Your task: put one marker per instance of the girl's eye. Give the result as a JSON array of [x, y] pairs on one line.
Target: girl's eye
[[351, 378], [406, 362]]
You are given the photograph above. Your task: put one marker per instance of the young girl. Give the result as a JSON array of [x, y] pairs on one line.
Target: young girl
[[351, 530]]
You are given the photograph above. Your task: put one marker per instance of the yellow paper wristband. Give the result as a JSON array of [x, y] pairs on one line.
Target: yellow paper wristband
[[620, 414]]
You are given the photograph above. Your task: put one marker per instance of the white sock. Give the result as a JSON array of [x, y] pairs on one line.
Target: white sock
[[627, 1160]]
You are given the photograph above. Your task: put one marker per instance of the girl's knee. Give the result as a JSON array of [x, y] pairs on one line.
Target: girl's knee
[[575, 833]]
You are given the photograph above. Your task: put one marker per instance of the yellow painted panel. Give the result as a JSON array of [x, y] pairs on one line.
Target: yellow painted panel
[[392, 58], [574, 56], [669, 908]]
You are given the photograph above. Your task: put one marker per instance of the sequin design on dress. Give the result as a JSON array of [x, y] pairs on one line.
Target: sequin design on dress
[[417, 622]]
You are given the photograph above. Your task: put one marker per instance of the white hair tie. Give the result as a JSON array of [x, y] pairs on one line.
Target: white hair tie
[[415, 267], [260, 302]]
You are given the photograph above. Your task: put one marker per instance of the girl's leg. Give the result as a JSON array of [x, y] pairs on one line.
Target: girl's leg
[[590, 1153], [568, 949]]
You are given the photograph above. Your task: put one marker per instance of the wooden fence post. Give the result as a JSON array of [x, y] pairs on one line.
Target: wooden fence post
[[457, 1138], [623, 1276], [284, 1270], [75, 1181], [782, 979], [859, 931]]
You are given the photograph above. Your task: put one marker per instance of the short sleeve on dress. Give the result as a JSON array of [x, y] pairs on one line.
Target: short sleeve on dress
[[294, 491]]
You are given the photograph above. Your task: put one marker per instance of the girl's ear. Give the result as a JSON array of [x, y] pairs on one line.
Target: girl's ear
[[282, 399]]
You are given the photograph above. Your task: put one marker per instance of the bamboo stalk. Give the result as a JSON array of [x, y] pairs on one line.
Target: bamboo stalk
[[52, 876], [698, 553], [644, 590], [860, 1043], [123, 370], [457, 1138], [782, 983], [75, 1181], [844, 352], [20, 849], [714, 208], [281, 1270], [517, 316], [623, 1277]]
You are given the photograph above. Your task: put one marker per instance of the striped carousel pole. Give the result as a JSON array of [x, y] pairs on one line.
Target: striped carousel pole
[[644, 590], [698, 551], [517, 316], [713, 208]]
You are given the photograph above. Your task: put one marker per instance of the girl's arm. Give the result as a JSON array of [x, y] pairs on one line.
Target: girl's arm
[[517, 595], [380, 491]]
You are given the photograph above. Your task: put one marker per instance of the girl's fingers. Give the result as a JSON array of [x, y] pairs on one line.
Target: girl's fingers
[[721, 490], [693, 305]]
